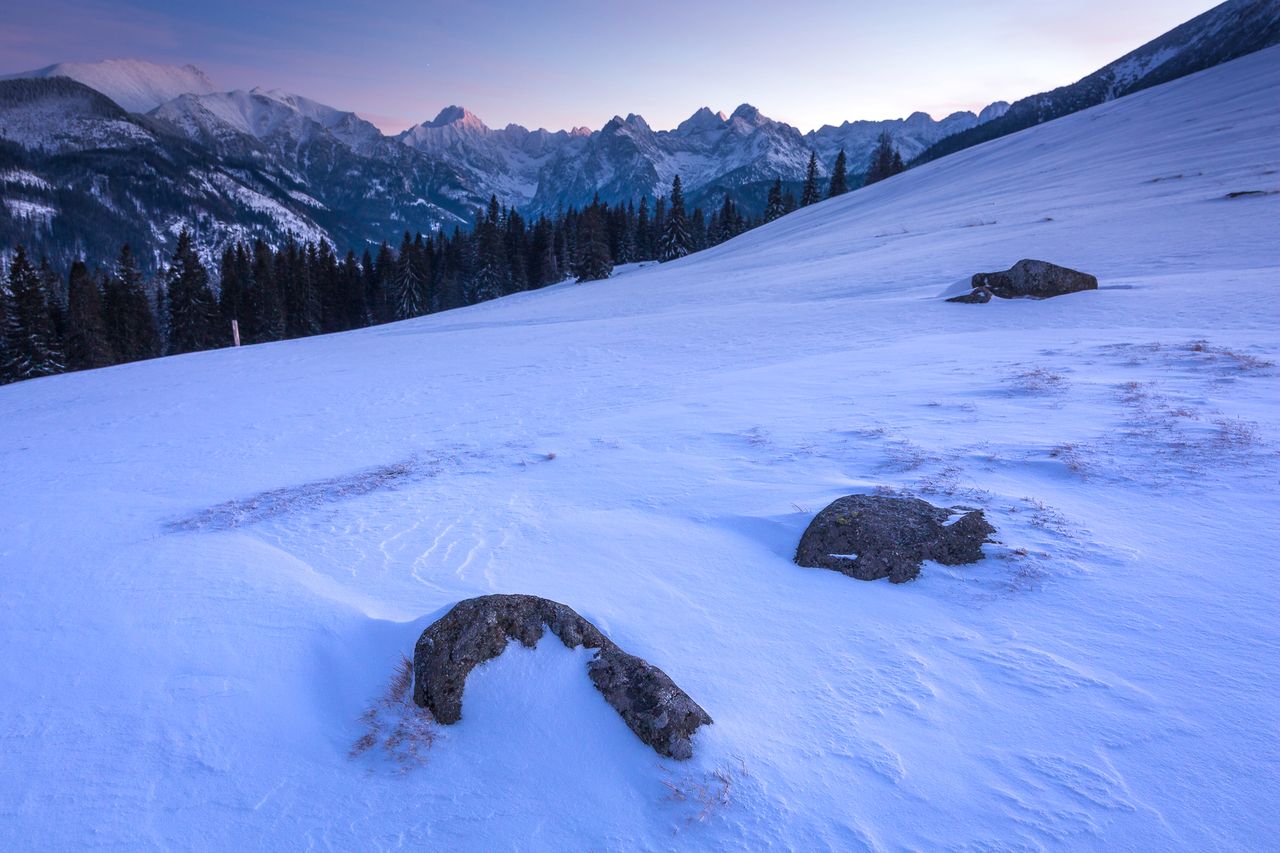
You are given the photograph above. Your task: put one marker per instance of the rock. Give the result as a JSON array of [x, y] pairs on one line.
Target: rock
[[977, 296], [1037, 279], [869, 537], [478, 629]]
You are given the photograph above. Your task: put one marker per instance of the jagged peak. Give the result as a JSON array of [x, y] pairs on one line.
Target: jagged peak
[[702, 120], [456, 115]]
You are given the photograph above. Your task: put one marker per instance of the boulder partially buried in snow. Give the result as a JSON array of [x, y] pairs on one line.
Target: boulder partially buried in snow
[[977, 296], [478, 629], [1029, 278], [869, 537]]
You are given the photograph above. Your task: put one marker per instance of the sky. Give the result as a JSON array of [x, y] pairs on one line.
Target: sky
[[568, 63]]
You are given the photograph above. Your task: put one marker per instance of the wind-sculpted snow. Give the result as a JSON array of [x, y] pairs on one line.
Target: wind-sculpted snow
[[295, 499], [213, 562]]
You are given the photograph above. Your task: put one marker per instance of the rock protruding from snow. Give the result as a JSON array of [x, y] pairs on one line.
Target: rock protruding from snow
[[977, 296], [869, 537], [1034, 279], [479, 629]]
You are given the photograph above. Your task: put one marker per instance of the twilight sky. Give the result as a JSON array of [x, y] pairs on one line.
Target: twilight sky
[[561, 63]]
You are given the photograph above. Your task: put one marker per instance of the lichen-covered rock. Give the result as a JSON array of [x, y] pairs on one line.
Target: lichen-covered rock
[[478, 629], [1036, 279], [869, 537]]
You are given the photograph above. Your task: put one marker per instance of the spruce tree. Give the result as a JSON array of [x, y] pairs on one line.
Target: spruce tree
[[773, 207], [406, 288], [594, 260], [266, 306], [193, 315], [810, 195], [379, 278], [885, 160], [644, 235], [491, 269], [354, 311], [54, 289], [676, 240], [88, 345], [131, 324], [839, 177], [30, 347]]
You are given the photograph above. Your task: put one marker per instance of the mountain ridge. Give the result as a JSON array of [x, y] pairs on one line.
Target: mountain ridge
[[99, 171]]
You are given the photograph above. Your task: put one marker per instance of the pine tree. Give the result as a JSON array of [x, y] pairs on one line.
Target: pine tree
[[697, 231], [885, 160], [839, 177], [55, 290], [408, 290], [379, 275], [644, 235], [773, 207], [30, 348], [810, 195], [131, 324], [676, 240], [297, 288], [231, 289], [353, 310], [193, 315], [265, 304], [492, 272], [88, 345], [594, 260]]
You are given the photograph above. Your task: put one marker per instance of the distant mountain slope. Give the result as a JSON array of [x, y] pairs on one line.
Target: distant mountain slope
[[79, 176], [1234, 29], [540, 170], [135, 84]]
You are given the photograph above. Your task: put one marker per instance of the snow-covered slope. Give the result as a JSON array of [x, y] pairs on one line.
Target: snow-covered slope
[[57, 116], [212, 562], [291, 120], [1229, 30], [135, 84]]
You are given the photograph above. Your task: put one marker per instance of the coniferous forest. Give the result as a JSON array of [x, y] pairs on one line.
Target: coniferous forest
[[102, 312]]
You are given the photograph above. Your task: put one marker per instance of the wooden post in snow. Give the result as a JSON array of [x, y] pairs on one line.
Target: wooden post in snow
[[235, 331]]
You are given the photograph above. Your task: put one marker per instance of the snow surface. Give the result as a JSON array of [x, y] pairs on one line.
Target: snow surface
[[135, 84], [212, 562]]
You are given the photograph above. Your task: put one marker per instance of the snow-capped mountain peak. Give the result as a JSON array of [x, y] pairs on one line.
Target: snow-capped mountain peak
[[993, 111], [702, 121], [459, 117], [747, 115], [136, 85]]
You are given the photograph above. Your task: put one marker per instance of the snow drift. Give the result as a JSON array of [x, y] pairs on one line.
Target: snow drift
[[213, 562]]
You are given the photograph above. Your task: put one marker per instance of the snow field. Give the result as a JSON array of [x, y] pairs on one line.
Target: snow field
[[214, 562]]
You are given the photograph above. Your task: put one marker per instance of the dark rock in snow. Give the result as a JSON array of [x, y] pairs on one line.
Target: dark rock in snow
[[977, 296], [1036, 279], [478, 629], [869, 537]]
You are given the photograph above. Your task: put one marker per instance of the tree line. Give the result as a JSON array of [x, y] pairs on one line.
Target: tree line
[[112, 314]]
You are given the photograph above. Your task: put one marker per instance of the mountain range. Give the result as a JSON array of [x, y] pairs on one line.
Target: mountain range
[[93, 155]]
